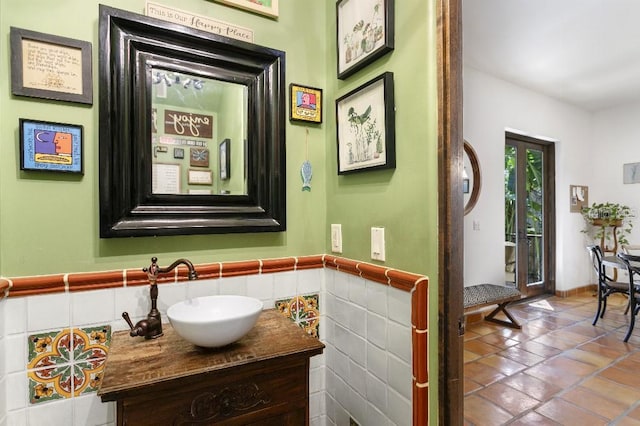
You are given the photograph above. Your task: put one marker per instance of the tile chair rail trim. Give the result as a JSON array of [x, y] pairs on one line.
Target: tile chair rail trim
[[83, 281]]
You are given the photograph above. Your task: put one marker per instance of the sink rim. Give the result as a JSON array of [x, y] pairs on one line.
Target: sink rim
[[227, 324], [180, 311]]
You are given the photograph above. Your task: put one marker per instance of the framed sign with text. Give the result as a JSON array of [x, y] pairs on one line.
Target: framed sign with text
[[50, 67]]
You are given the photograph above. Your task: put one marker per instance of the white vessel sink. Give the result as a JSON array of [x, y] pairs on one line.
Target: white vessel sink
[[214, 321]]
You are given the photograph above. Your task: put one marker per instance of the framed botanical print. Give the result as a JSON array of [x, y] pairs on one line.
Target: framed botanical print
[[365, 32], [366, 127]]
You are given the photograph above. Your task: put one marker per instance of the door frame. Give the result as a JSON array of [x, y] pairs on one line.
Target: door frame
[[450, 212], [549, 203]]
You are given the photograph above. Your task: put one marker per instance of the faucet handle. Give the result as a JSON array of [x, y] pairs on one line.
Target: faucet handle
[[149, 328], [136, 330], [125, 315]]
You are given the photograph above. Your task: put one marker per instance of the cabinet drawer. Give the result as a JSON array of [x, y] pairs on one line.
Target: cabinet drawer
[[236, 397]]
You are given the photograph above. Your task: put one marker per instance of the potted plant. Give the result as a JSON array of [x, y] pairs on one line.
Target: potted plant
[[601, 216]]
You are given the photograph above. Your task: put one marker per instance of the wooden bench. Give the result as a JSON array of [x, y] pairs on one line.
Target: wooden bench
[[481, 295]]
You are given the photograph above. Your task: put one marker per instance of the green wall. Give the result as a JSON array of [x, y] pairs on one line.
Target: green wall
[[403, 200], [49, 222]]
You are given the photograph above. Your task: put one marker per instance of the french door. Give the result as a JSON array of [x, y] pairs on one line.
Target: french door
[[529, 214]]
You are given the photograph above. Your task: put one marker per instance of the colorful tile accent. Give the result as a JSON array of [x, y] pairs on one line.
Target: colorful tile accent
[[303, 310], [66, 362]]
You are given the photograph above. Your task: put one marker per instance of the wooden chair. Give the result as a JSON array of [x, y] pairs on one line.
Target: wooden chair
[[606, 285], [632, 263], [632, 249]]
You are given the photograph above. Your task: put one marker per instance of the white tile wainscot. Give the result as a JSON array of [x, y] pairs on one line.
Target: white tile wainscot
[[3, 368], [368, 338], [364, 373]]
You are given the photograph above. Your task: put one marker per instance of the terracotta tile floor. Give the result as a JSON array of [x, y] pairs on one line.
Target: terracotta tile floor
[[557, 370]]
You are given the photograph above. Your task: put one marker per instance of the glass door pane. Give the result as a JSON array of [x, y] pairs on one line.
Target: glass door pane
[[528, 179], [510, 215], [534, 216]]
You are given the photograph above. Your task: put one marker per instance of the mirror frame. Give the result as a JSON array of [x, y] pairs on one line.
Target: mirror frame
[[130, 46], [475, 170]]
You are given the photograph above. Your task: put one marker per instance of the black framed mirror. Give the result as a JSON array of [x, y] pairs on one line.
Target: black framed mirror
[[171, 98], [471, 178]]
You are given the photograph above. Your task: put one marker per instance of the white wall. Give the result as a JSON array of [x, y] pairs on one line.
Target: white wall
[[490, 107], [616, 138]]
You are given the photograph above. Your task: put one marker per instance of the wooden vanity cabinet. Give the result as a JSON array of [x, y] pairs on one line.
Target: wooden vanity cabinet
[[263, 379]]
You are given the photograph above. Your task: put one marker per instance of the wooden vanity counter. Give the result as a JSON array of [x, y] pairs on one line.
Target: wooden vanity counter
[[261, 379]]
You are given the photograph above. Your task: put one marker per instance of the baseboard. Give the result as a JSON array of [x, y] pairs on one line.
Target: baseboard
[[589, 288]]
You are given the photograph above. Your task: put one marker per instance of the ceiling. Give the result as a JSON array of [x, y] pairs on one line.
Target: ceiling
[[584, 52]]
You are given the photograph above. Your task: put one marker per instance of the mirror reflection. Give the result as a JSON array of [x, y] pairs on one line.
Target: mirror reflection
[[198, 134], [470, 177]]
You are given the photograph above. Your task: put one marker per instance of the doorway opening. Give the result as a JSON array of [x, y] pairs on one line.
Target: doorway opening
[[529, 206]]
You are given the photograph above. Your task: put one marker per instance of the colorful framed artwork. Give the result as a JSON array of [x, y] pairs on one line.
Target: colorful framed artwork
[[263, 7], [52, 147], [50, 67], [366, 126], [305, 103], [365, 32], [199, 157], [224, 157]]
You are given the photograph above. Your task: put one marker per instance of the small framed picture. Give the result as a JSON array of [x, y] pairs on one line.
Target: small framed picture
[[305, 103], [631, 173], [178, 153], [225, 159], [199, 157], [263, 7], [50, 67], [48, 146], [200, 177]]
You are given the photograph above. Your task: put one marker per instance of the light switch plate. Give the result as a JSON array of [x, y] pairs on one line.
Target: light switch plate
[[377, 244], [336, 238]]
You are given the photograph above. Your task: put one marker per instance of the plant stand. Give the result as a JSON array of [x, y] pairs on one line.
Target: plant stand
[[609, 226]]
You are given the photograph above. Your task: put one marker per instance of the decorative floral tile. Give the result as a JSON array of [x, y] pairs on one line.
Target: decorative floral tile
[[67, 362], [49, 383], [87, 376], [91, 343], [49, 349], [303, 310]]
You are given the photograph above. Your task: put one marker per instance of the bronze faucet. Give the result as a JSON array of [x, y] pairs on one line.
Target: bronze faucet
[[151, 327]]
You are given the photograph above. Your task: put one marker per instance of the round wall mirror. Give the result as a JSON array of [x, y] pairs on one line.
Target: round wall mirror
[[470, 178]]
